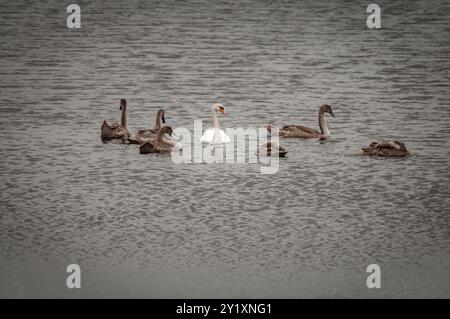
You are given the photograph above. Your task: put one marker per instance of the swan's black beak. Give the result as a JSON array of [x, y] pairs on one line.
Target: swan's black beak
[[332, 114], [163, 119], [123, 104]]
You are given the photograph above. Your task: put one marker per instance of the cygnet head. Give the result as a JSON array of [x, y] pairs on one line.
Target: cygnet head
[[165, 130], [372, 149], [327, 109], [123, 104]]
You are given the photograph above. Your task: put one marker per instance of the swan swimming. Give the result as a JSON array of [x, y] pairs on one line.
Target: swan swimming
[[271, 149], [144, 135], [300, 131], [114, 131], [215, 135], [163, 143], [386, 149]]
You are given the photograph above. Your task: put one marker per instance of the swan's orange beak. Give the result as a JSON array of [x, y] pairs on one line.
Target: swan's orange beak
[[222, 110]]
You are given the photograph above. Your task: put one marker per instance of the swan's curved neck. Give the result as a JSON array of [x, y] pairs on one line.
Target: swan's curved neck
[[123, 120], [215, 121], [323, 126], [158, 120]]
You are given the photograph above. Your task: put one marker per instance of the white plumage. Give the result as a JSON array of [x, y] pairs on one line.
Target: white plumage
[[215, 135]]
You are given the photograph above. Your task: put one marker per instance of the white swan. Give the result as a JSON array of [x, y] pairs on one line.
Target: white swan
[[215, 135]]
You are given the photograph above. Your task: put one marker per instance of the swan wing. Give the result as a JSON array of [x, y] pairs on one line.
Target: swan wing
[[114, 125], [210, 136], [391, 145], [224, 137], [296, 128], [147, 132]]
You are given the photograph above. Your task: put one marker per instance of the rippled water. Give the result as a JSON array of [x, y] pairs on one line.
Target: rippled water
[[142, 226]]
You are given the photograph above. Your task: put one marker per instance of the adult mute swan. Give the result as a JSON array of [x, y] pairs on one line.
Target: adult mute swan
[[111, 131], [386, 149], [299, 131], [215, 135]]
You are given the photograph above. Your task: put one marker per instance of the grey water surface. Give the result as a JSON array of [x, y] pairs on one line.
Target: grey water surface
[[143, 226]]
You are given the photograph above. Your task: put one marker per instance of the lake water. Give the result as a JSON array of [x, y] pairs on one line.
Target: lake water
[[142, 226]]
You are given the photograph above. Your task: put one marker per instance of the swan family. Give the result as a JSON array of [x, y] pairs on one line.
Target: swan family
[[160, 138]]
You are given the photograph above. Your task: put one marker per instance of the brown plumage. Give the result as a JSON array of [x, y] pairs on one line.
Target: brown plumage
[[271, 149], [144, 135], [116, 131], [161, 144], [300, 131], [386, 149]]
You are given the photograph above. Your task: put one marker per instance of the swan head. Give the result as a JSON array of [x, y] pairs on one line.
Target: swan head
[[272, 131], [327, 109], [165, 130], [123, 104], [217, 107], [371, 149], [161, 114]]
